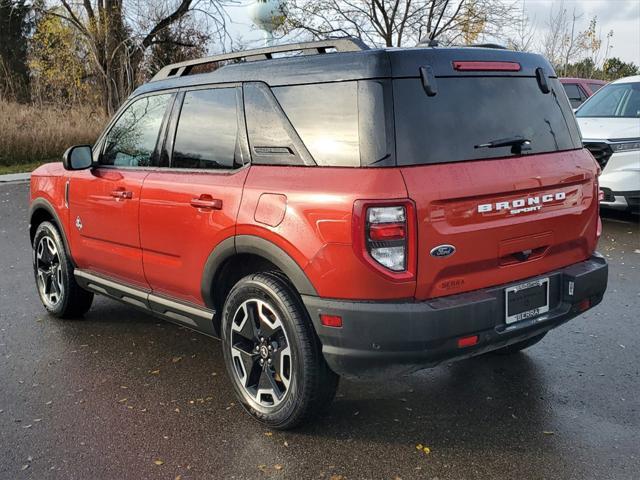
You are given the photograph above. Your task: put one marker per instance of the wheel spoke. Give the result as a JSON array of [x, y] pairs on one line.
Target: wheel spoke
[[282, 366], [268, 384], [248, 362]]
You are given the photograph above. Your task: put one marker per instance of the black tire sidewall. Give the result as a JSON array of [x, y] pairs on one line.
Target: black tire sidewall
[[252, 287], [48, 229]]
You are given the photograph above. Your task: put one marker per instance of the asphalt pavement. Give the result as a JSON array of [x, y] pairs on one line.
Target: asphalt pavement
[[122, 395]]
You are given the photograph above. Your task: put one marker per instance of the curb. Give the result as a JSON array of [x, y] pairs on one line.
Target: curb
[[15, 178]]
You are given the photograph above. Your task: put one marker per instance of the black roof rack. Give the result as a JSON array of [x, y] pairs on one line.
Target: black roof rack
[[181, 69], [489, 45]]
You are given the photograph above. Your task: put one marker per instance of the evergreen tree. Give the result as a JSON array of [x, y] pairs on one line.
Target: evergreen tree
[[15, 26]]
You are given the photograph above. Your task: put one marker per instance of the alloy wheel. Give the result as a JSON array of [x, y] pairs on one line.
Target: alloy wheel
[[261, 353], [49, 272]]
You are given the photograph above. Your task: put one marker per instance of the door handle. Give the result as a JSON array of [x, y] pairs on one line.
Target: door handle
[[122, 194], [207, 202]]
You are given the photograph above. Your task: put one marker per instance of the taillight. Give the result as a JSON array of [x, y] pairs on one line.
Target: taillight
[[384, 236]]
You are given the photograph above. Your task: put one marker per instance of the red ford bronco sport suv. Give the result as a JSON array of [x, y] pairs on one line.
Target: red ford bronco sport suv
[[348, 212]]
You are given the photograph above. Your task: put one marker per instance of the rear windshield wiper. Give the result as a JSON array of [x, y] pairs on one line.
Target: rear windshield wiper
[[517, 144]]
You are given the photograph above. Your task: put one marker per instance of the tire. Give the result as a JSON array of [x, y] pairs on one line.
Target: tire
[[517, 347], [272, 354], [59, 293]]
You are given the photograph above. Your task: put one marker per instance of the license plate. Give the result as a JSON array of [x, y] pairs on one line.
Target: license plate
[[527, 300]]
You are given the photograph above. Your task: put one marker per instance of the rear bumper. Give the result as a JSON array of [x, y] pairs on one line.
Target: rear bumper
[[381, 339]]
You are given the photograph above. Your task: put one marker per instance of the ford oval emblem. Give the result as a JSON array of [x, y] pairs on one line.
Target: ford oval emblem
[[443, 251]]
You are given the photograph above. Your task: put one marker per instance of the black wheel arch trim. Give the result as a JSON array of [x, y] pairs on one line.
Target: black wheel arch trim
[[43, 204], [252, 244]]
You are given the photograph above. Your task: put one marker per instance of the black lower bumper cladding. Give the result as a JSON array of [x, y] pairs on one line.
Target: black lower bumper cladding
[[382, 339]]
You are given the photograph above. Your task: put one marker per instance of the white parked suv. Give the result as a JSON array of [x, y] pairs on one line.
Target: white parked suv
[[610, 126]]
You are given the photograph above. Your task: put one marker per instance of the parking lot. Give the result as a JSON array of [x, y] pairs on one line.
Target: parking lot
[[121, 395]]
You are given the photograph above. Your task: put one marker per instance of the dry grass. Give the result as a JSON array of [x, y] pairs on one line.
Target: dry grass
[[30, 135]]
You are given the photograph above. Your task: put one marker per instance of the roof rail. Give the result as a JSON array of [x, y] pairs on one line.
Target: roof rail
[[488, 45], [346, 44]]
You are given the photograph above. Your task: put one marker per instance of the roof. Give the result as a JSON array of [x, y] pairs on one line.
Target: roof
[[349, 65], [633, 79]]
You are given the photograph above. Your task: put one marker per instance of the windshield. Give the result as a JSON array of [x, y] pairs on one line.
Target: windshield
[[476, 117], [615, 100]]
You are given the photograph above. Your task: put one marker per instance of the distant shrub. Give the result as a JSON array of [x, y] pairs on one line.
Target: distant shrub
[[29, 133]]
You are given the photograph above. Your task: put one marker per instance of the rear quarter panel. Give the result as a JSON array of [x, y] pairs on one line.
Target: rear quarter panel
[[315, 229]]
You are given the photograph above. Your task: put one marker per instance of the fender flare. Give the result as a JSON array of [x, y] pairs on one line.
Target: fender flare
[[43, 204], [252, 244]]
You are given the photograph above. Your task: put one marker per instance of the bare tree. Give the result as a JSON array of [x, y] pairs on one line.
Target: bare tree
[[523, 32], [117, 34], [563, 43], [399, 22]]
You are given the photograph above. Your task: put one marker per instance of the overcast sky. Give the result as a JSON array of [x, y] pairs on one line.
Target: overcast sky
[[621, 16]]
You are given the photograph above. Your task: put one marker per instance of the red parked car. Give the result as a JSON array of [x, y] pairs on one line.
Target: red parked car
[[579, 89], [347, 212]]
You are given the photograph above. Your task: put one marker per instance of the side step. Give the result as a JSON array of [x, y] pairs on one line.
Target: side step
[[189, 315]]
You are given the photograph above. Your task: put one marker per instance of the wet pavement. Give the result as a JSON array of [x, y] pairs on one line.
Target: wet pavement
[[123, 395]]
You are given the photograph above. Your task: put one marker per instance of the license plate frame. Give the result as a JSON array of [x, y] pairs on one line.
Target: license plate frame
[[537, 307]]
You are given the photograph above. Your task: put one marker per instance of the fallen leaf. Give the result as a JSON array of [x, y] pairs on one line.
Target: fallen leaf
[[286, 444], [122, 400], [422, 448], [158, 462], [548, 432], [24, 467], [155, 372], [268, 434], [262, 468], [178, 477], [176, 359], [27, 426], [337, 477], [278, 466]]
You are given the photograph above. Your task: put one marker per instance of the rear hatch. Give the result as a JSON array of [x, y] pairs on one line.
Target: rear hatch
[[503, 189]]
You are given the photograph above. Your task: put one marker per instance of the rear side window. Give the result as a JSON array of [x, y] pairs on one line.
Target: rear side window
[[207, 130], [326, 118], [468, 112], [595, 87], [575, 94]]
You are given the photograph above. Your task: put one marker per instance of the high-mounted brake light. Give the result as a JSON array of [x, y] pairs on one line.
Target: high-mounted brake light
[[465, 66], [384, 236]]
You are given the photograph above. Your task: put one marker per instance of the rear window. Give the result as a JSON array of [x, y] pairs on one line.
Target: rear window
[[470, 111]]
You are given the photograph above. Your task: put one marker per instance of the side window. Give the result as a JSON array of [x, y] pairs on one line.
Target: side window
[[132, 139], [574, 93], [272, 139], [326, 118], [595, 87], [207, 130]]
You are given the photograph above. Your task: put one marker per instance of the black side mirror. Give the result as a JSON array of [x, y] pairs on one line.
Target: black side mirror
[[78, 157]]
